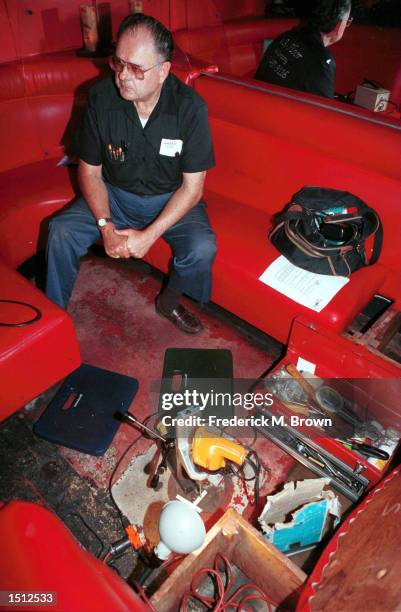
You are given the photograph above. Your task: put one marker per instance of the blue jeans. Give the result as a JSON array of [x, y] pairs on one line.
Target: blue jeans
[[74, 230]]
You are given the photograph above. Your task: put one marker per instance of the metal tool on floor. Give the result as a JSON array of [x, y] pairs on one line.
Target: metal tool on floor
[[327, 402], [137, 423], [366, 449], [164, 447], [158, 468], [193, 448], [298, 394], [317, 459]]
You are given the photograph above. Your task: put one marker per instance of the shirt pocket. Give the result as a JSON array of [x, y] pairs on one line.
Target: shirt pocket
[[169, 169]]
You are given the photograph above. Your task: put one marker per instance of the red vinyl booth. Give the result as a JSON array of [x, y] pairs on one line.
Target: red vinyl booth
[[269, 143], [39, 554], [359, 568]]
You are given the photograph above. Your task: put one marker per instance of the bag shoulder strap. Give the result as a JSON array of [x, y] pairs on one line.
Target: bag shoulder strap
[[293, 211], [377, 242]]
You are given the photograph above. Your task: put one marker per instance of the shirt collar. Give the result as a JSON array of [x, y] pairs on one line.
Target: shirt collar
[[167, 102]]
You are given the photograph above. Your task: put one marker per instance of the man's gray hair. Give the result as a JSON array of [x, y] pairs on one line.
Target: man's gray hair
[[162, 37], [328, 13]]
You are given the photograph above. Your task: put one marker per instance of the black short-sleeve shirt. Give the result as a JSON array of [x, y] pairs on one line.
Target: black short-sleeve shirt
[[299, 60], [146, 160]]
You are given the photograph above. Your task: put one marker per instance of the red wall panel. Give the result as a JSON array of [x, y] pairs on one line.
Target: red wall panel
[[193, 14], [7, 46], [29, 27], [42, 26]]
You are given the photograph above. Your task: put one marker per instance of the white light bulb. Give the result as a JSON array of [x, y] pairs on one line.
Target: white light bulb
[[181, 529]]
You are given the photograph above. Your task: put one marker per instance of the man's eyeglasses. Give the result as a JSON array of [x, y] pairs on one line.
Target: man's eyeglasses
[[349, 21], [118, 65]]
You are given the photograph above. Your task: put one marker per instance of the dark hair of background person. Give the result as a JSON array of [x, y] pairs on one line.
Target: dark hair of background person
[[328, 13], [162, 37]]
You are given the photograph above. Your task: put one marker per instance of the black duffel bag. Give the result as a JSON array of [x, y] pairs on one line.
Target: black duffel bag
[[326, 231]]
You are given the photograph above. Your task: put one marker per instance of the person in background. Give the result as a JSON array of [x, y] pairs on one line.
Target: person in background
[[144, 148], [300, 59]]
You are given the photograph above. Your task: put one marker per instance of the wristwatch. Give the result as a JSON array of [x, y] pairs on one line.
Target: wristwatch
[[103, 221]]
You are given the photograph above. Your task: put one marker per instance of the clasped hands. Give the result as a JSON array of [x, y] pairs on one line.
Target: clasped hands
[[126, 243]]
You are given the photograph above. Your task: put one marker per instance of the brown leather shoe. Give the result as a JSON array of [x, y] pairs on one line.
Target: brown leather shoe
[[182, 318]]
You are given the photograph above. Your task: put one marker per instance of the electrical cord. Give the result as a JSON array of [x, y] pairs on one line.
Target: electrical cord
[[125, 523], [239, 473], [110, 485], [91, 530], [106, 558], [138, 584], [37, 316], [372, 83], [142, 594], [256, 468], [250, 445], [223, 601]]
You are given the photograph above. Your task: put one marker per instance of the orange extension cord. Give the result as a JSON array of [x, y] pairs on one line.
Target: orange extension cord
[[220, 603]]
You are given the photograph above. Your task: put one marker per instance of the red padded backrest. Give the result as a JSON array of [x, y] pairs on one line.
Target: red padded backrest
[[41, 100], [238, 32], [62, 73], [12, 81], [369, 52], [41, 103], [235, 46], [19, 135], [269, 145], [40, 554], [328, 128]]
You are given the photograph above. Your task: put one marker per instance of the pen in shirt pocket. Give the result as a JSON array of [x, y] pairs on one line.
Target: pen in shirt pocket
[[124, 149], [118, 153]]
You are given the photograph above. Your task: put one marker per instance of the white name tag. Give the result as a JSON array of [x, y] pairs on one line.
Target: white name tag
[[170, 147]]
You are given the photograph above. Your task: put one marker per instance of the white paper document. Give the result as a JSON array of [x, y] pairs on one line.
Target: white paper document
[[307, 288]]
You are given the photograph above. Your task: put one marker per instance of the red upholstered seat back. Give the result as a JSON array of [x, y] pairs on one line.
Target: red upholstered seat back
[[40, 554], [40, 103], [269, 145], [234, 46], [368, 52]]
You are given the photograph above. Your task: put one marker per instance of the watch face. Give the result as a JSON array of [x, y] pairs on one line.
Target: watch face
[[102, 222]]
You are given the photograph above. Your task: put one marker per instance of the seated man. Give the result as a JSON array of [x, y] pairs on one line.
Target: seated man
[[144, 148], [299, 59]]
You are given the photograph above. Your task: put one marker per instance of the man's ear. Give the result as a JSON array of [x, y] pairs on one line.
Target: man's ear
[[335, 34], [336, 30], [164, 71]]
